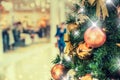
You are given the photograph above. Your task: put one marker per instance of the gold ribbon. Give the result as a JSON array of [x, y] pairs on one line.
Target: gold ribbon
[[91, 1], [66, 37], [82, 18], [68, 48], [100, 8], [87, 77], [118, 44]]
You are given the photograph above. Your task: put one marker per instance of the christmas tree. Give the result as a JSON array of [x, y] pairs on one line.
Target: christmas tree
[[92, 42]]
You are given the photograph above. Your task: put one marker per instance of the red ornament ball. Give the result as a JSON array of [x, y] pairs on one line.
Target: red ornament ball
[[58, 71], [94, 37]]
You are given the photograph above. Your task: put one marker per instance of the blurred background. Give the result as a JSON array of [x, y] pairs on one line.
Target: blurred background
[[27, 37]]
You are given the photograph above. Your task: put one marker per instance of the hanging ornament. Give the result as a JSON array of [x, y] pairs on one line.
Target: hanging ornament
[[94, 37], [58, 71], [72, 26], [86, 77], [118, 11], [70, 74], [118, 44], [83, 51]]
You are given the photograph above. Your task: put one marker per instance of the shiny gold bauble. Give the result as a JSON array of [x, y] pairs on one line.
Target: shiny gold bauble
[[58, 71], [94, 37]]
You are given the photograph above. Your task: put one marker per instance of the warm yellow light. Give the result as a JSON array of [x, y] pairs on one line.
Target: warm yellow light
[[32, 5], [47, 6], [7, 5], [37, 2], [43, 10]]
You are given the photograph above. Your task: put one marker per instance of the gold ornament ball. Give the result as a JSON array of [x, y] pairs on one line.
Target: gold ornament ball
[[58, 71], [94, 37]]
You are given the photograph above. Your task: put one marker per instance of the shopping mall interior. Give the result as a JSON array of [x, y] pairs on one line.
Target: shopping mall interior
[[27, 43]]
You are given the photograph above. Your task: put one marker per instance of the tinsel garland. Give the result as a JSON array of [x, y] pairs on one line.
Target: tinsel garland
[[101, 8]]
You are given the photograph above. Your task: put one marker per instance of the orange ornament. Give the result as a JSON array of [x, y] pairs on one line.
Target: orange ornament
[[58, 71], [94, 37]]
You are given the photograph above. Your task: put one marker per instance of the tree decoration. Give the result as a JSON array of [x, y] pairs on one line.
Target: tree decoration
[[70, 74], [118, 44], [87, 49], [72, 26], [118, 11], [58, 71], [91, 1], [66, 37], [68, 48], [81, 18], [86, 77], [94, 37], [100, 8], [83, 51]]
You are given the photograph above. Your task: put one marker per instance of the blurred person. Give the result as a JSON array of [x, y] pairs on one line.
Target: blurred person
[[40, 32], [5, 37], [61, 30], [43, 28], [17, 30]]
